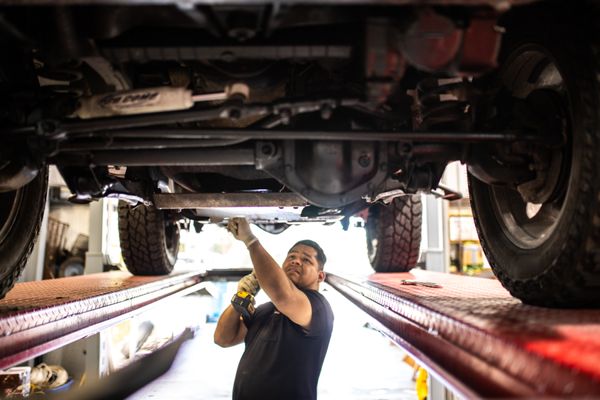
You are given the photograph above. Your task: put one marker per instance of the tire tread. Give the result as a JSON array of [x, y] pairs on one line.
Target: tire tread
[[37, 192], [397, 228], [142, 237], [573, 277]]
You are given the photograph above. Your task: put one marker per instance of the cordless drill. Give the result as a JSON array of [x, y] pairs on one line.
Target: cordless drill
[[243, 302]]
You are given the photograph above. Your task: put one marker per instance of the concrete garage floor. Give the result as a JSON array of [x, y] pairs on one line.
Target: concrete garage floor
[[361, 363]]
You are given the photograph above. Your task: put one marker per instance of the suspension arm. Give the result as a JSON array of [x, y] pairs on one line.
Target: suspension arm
[[172, 138]]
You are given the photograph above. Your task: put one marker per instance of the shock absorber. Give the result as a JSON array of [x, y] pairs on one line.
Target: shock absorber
[[438, 104], [442, 103]]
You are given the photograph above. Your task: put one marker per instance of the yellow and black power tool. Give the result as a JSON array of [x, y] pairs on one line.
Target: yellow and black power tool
[[243, 302]]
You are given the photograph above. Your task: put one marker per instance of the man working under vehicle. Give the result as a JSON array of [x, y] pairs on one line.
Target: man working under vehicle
[[287, 338]]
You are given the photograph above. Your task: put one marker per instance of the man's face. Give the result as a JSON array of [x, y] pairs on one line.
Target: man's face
[[302, 268]]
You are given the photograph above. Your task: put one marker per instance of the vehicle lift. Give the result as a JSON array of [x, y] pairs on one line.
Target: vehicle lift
[[468, 332]]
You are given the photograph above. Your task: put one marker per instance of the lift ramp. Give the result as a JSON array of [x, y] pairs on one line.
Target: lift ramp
[[37, 317], [469, 332], [477, 339]]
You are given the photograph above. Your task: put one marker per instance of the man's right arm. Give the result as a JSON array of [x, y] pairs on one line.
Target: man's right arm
[[230, 329]]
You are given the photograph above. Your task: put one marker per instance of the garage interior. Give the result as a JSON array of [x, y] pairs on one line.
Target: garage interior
[[372, 355], [68, 248], [442, 152]]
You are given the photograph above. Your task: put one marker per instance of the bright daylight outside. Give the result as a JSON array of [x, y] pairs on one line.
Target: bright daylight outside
[[361, 363]]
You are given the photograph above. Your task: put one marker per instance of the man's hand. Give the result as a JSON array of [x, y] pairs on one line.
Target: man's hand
[[249, 284], [288, 299], [240, 229]]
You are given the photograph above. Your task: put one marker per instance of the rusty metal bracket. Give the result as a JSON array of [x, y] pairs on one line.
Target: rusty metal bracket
[[198, 200]]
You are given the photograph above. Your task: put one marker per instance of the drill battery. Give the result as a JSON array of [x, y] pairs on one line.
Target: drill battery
[[243, 302]]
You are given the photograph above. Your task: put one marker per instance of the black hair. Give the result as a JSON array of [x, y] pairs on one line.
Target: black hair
[[321, 258]]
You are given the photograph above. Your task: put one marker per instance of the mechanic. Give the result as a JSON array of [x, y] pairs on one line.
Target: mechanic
[[286, 339]]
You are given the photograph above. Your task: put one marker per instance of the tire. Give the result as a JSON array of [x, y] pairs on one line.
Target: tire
[[72, 266], [394, 234], [149, 240], [547, 253], [21, 213]]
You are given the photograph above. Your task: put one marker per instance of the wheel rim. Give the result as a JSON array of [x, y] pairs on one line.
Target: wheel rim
[[528, 224], [274, 228], [10, 204], [73, 268], [524, 229], [371, 228], [372, 249], [171, 240]]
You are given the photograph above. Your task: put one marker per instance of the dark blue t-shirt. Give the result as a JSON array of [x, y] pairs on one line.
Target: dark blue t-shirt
[[281, 359]]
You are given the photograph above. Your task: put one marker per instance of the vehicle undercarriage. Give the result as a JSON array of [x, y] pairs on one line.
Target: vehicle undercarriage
[[291, 113]]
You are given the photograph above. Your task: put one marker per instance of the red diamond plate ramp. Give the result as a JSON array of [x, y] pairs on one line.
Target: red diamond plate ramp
[[478, 339], [36, 317]]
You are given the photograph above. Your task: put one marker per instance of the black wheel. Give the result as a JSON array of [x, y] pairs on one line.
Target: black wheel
[[149, 240], [72, 266], [394, 234], [542, 239], [21, 213]]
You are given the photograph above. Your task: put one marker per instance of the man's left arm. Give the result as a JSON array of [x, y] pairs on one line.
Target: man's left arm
[[288, 299]]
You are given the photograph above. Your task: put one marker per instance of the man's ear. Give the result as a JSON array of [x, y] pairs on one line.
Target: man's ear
[[321, 276]]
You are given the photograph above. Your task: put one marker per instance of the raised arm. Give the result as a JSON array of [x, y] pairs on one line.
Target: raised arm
[[288, 299], [230, 329]]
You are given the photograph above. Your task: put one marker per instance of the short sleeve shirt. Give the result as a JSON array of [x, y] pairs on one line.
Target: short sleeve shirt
[[282, 360]]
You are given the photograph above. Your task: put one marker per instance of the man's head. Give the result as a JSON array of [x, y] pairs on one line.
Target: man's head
[[321, 258], [304, 264]]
